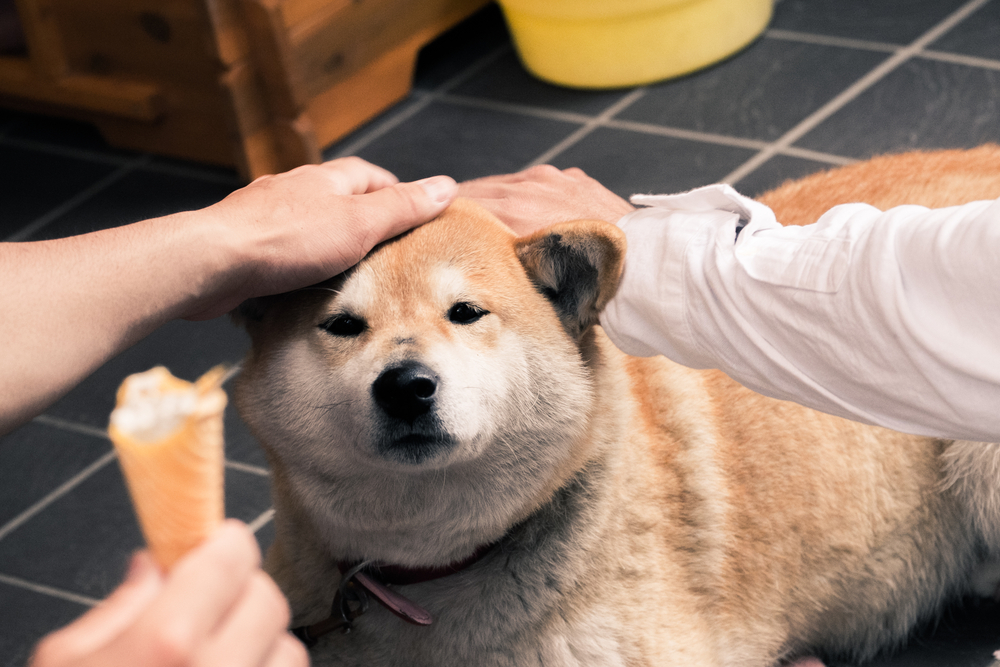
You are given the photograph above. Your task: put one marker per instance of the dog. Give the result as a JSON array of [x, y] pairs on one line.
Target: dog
[[466, 471]]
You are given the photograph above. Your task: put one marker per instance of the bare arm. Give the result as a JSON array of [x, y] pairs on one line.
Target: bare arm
[[71, 304]]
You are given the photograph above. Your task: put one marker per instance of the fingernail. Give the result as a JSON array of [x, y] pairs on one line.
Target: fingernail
[[439, 188]]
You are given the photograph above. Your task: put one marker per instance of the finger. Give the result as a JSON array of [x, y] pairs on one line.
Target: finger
[[392, 211], [354, 176], [197, 596], [109, 619], [250, 631], [287, 652]]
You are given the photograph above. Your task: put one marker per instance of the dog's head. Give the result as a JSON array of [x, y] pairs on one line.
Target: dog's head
[[445, 365]]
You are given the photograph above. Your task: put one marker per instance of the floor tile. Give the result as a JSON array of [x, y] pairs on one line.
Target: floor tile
[[188, 349], [923, 104], [139, 195], [25, 617], [241, 446], [776, 171], [965, 636], [454, 51], [464, 142], [761, 94], [978, 35], [64, 133], [36, 459], [34, 183], [893, 21], [360, 138], [631, 162], [82, 542], [506, 80]]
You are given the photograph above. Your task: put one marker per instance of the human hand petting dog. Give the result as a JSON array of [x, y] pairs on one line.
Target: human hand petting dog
[[215, 607], [71, 304], [313, 222], [541, 196]]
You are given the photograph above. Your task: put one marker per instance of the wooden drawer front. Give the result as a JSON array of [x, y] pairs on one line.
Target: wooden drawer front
[[161, 40]]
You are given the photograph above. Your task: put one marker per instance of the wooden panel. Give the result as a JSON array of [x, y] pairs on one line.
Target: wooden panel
[[42, 36], [274, 59], [161, 40], [269, 145], [352, 102], [190, 134], [330, 48], [295, 12], [231, 43], [111, 96]]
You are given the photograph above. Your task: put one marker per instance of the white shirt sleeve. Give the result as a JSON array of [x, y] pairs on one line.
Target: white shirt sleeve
[[890, 318]]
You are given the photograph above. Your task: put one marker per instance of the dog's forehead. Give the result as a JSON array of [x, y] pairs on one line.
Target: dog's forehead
[[465, 244]]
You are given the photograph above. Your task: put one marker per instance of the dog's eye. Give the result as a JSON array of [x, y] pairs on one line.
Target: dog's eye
[[465, 313], [344, 325]]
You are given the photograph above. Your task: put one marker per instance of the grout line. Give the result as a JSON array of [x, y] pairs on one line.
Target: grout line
[[56, 494], [692, 135], [852, 92], [248, 468], [959, 59], [475, 68], [818, 156], [384, 127], [588, 127], [44, 220], [73, 427], [85, 429], [261, 521], [193, 171], [424, 99], [66, 151], [829, 40], [511, 107], [48, 590]]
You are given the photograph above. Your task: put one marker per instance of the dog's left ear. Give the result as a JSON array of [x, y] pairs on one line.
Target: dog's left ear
[[576, 265]]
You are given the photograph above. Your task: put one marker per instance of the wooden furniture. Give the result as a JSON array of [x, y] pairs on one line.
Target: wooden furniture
[[261, 85]]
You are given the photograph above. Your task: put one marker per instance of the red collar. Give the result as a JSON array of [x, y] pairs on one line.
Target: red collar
[[359, 580], [398, 575]]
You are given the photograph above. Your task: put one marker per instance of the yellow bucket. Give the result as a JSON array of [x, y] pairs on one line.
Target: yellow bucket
[[618, 43]]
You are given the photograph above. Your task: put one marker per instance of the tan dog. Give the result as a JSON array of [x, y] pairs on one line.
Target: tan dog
[[448, 412]]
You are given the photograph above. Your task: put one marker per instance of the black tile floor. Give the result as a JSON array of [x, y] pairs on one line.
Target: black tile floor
[[830, 82]]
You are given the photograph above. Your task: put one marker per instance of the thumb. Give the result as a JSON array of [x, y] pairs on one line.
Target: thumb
[[396, 209]]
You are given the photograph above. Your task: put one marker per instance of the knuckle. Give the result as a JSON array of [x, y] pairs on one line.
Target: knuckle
[[576, 172], [173, 644], [543, 171]]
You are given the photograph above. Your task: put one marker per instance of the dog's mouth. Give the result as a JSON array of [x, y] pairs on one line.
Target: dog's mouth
[[414, 448]]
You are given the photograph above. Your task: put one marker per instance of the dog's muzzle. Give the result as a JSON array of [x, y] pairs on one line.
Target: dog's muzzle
[[406, 391]]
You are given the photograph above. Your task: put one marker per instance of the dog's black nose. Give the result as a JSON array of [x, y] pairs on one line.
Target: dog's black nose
[[406, 391]]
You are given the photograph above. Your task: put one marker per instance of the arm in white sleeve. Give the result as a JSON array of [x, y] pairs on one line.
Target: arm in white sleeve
[[890, 318]]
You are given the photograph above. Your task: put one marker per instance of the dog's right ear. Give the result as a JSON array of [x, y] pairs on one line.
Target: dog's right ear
[[576, 265]]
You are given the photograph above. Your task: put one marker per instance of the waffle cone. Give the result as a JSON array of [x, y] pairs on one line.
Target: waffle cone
[[176, 482]]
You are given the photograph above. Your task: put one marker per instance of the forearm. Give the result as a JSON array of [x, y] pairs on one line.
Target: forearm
[[71, 304], [883, 318]]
